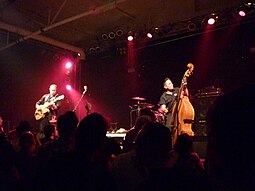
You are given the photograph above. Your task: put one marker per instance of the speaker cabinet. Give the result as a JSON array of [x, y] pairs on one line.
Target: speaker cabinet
[[202, 105], [200, 145]]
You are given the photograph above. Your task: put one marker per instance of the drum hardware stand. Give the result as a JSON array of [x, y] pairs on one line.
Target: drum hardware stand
[[137, 110]]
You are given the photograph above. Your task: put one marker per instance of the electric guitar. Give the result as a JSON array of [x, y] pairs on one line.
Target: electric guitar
[[45, 108]]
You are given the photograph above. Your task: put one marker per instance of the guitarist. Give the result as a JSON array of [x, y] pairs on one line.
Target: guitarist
[[168, 98], [47, 99]]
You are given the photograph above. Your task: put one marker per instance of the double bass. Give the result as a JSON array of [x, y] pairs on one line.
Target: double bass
[[183, 112]]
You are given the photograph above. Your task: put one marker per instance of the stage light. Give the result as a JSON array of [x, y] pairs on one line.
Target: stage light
[[244, 9], [69, 87], [104, 36], [149, 35], [111, 35], [68, 65], [68, 72], [212, 19], [98, 48], [79, 54], [119, 32], [242, 13], [191, 26], [92, 49], [130, 36]]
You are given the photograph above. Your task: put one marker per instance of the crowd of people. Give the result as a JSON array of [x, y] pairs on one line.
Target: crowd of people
[[77, 155]]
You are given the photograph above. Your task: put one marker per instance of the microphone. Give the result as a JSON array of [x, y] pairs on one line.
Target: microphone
[[85, 89]]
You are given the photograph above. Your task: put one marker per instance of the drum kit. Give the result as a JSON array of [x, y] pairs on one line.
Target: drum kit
[[141, 104]]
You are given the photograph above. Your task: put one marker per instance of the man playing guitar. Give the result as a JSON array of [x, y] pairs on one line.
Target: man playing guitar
[[47, 107]]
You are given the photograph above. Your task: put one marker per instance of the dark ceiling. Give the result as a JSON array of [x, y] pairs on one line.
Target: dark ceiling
[[75, 25]]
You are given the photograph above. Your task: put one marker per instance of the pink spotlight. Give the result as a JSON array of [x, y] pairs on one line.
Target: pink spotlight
[[149, 35], [68, 65], [130, 38], [242, 13], [211, 21], [68, 87], [68, 72]]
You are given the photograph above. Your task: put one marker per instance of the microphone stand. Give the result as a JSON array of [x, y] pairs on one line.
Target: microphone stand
[[82, 95]]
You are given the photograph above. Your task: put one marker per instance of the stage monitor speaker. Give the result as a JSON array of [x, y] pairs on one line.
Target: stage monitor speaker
[[202, 105]]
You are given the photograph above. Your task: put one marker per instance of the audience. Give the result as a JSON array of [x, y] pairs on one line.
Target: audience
[[66, 124], [148, 112], [230, 151], [50, 134], [152, 147], [14, 135], [77, 170], [9, 175], [27, 161], [188, 163], [128, 143]]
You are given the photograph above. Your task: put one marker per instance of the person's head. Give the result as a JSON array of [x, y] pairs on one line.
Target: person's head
[[141, 120], [53, 89], [49, 130], [230, 149], [183, 144], [148, 112], [168, 85], [153, 144], [22, 127], [27, 142], [90, 135], [66, 124]]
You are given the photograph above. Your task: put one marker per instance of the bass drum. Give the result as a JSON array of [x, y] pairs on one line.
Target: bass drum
[[160, 118]]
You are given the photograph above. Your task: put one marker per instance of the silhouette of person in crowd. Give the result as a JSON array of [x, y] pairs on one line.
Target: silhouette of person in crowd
[[66, 124], [128, 143], [230, 152]]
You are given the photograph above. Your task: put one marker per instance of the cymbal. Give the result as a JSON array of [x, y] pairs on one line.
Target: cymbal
[[147, 105], [138, 98]]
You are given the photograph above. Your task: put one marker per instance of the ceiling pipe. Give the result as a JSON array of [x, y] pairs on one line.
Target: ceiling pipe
[[36, 36], [96, 10]]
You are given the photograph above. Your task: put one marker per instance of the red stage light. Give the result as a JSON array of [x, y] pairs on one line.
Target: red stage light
[[68, 65], [69, 87]]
